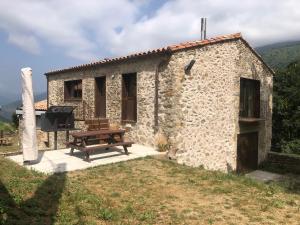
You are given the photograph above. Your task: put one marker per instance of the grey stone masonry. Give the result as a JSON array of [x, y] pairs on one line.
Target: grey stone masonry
[[197, 110]]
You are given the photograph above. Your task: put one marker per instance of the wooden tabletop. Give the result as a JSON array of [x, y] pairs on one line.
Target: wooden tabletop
[[96, 132]]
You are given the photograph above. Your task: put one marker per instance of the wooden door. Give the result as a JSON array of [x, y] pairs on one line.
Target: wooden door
[[247, 152], [100, 97], [129, 97]]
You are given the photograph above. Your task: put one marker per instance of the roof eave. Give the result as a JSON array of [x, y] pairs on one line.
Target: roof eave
[[166, 51]]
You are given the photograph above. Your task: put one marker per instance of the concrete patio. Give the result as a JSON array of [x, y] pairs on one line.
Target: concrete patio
[[61, 160], [264, 176]]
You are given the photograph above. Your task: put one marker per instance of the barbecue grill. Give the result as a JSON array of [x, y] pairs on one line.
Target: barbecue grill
[[58, 118]]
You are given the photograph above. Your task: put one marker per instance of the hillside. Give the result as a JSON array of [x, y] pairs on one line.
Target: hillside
[[6, 126], [5, 100], [9, 109], [3, 119], [279, 55]]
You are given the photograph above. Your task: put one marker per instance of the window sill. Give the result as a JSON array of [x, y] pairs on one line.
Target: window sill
[[128, 121], [73, 100], [250, 120]]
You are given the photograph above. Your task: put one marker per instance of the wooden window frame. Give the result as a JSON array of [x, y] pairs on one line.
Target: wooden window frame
[[249, 98], [129, 95], [71, 87]]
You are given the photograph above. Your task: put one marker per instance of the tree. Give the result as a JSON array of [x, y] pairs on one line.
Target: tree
[[286, 110], [15, 120]]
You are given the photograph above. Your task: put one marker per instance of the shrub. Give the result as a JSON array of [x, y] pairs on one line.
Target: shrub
[[162, 142], [292, 147]]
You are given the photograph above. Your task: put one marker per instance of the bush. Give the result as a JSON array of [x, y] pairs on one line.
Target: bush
[[286, 110], [291, 147], [162, 143], [15, 120]]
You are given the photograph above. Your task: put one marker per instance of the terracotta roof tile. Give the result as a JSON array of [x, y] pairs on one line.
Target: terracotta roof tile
[[41, 105], [167, 49]]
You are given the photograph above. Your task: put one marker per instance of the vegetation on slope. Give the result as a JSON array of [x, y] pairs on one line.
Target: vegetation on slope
[[280, 55], [6, 126], [286, 110]]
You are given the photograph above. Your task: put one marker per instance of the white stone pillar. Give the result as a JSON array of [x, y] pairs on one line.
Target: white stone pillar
[[29, 145]]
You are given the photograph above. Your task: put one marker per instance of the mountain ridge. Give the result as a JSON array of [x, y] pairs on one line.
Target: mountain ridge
[[280, 55], [8, 109]]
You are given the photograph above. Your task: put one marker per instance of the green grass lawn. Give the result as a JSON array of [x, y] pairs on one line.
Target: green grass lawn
[[144, 191]]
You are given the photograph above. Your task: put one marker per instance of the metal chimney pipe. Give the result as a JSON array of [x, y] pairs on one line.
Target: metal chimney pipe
[[204, 32], [202, 26]]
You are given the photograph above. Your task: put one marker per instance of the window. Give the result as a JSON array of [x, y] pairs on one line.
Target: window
[[73, 90], [249, 98], [129, 90]]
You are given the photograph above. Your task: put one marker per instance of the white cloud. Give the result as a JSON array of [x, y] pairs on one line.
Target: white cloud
[[261, 22], [91, 29], [27, 42], [76, 26]]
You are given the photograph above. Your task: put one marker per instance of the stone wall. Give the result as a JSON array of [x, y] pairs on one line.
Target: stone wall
[[285, 162], [140, 132], [198, 111], [204, 104], [249, 66]]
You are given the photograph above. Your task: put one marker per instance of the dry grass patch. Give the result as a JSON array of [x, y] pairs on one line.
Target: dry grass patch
[[145, 191], [169, 193]]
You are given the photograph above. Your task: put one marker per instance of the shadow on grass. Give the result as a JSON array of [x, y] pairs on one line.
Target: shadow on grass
[[41, 208], [291, 178], [290, 183]]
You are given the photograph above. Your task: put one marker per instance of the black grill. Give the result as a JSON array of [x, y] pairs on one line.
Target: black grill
[[58, 118]]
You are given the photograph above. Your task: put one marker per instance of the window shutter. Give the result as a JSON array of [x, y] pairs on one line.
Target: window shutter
[[257, 99], [249, 98], [129, 96]]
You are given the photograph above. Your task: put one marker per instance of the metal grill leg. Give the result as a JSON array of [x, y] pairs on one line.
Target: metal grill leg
[[55, 140]]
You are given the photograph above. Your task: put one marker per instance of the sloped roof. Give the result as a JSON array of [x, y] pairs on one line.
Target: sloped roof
[[41, 105], [168, 49]]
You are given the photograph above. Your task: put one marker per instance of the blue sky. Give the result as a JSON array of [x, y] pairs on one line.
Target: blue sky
[[14, 58], [55, 34]]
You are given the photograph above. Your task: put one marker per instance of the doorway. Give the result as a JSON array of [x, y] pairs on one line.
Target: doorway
[[247, 152], [100, 97]]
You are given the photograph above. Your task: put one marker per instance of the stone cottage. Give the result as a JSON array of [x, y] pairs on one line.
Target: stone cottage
[[212, 99]]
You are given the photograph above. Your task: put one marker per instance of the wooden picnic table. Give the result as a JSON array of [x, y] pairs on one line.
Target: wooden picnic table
[[110, 138]]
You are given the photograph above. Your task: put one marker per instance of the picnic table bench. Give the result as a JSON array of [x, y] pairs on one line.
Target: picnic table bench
[[82, 141]]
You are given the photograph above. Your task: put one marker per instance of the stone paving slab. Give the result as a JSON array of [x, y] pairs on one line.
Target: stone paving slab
[[61, 160], [264, 176]]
